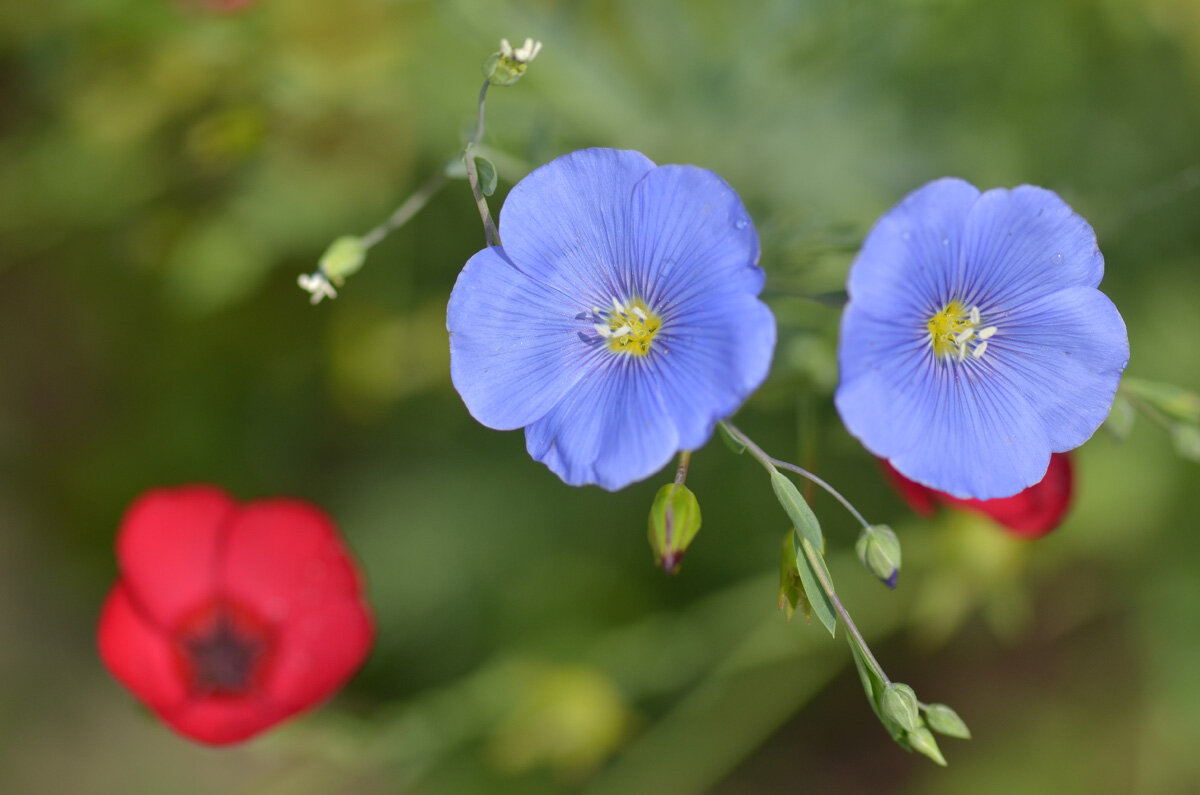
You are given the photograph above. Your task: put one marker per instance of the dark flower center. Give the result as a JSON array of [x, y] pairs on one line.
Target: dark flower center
[[223, 652]]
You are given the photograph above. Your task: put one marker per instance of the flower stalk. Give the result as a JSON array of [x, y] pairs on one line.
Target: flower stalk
[[485, 214]]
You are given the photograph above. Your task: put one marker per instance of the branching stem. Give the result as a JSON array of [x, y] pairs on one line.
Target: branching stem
[[813, 556]]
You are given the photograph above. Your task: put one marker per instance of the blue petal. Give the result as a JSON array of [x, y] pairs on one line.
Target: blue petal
[[567, 222], [690, 237], [514, 345], [1025, 243], [624, 422], [955, 427], [1065, 353], [714, 353], [911, 258], [691, 254], [613, 429]]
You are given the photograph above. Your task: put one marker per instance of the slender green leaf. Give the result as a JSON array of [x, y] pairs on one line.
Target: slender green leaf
[[874, 687], [731, 441], [804, 520], [817, 597]]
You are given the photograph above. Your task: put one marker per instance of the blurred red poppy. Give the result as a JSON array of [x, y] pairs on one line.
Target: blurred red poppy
[[226, 619], [1031, 513]]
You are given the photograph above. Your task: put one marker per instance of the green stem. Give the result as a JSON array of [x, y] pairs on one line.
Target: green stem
[[1147, 408], [851, 628], [485, 215], [404, 213], [685, 460], [771, 462]]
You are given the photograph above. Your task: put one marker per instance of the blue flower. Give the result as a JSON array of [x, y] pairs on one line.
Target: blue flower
[[975, 342], [619, 319]]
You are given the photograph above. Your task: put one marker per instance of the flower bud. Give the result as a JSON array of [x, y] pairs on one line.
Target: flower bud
[[674, 522], [879, 550], [1187, 440], [791, 590], [945, 721], [343, 258], [899, 703], [507, 66]]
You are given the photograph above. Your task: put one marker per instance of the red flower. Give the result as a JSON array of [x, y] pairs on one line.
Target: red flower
[[1031, 513], [227, 618]]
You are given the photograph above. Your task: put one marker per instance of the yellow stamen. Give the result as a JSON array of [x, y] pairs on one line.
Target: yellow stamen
[[954, 332], [631, 327]]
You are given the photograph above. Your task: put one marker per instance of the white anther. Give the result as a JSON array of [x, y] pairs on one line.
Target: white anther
[[596, 310], [617, 307], [962, 352], [975, 317], [527, 52], [505, 48], [637, 310], [963, 337], [979, 349], [987, 333], [602, 329], [316, 285], [622, 331]]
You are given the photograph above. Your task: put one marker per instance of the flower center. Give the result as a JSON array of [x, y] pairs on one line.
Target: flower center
[[224, 651], [629, 327], [955, 331]]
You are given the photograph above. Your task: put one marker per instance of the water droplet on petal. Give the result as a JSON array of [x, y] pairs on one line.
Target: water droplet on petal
[[741, 223]]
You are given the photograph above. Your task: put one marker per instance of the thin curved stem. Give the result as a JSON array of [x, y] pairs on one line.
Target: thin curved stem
[[404, 213], [762, 456], [812, 555], [802, 472]]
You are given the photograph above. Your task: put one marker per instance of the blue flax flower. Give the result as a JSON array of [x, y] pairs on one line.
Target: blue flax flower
[[619, 319], [975, 342]]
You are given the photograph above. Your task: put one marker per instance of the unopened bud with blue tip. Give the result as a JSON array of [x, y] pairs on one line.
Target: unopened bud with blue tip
[[879, 550]]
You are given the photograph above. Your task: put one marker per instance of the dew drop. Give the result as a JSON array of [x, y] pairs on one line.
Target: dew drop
[[741, 223]]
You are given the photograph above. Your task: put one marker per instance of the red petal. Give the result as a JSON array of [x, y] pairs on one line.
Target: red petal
[[919, 498], [284, 559], [167, 549], [318, 653], [221, 720], [1035, 511], [138, 655]]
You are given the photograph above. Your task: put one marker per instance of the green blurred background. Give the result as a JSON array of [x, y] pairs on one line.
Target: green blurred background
[[166, 172]]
